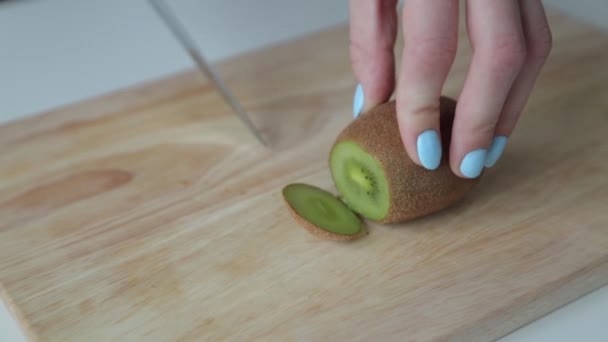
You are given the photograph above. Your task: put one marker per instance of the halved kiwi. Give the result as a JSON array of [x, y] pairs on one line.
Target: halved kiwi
[[322, 213], [375, 176]]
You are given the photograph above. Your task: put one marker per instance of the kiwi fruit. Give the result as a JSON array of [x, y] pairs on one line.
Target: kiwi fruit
[[322, 213], [376, 179], [375, 176]]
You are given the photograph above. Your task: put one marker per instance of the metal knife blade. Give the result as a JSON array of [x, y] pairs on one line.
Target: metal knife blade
[[187, 42]]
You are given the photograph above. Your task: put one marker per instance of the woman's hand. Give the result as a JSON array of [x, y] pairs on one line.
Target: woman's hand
[[511, 40]]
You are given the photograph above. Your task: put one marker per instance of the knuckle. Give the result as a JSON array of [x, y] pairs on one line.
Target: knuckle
[[433, 48], [361, 53], [425, 110], [358, 52], [505, 128], [541, 43], [417, 112], [508, 52], [483, 129]]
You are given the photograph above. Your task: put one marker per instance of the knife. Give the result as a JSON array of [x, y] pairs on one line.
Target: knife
[[187, 42]]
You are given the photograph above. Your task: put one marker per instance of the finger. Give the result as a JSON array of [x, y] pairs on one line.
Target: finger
[[498, 41], [431, 38], [538, 45], [373, 30]]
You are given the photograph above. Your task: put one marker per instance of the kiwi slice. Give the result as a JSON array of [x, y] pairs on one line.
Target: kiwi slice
[[321, 213], [377, 179]]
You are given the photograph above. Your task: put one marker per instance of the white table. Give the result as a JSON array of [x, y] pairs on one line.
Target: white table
[[55, 52]]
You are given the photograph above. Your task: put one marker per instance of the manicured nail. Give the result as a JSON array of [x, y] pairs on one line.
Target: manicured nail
[[429, 149], [472, 164], [498, 146], [358, 100]]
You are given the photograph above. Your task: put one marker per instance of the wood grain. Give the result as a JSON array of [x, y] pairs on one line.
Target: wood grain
[[151, 214]]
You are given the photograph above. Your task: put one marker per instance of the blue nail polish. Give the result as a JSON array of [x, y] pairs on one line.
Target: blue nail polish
[[358, 100], [472, 164], [498, 146], [429, 149]]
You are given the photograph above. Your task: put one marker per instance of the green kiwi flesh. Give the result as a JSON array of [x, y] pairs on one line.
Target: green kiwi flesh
[[318, 209], [360, 180]]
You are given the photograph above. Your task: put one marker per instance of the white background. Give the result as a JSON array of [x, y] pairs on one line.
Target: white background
[[55, 52]]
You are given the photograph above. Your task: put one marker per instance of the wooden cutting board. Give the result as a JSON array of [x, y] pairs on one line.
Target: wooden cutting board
[[151, 214]]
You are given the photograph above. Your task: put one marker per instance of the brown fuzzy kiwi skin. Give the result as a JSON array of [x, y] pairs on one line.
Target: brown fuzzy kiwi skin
[[414, 191], [320, 232]]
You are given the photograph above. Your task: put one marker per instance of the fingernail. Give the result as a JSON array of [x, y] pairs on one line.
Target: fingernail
[[498, 146], [429, 149], [358, 100], [472, 164]]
